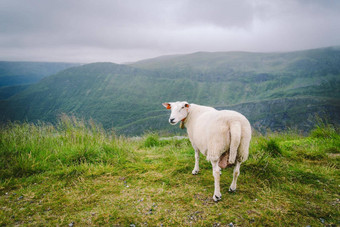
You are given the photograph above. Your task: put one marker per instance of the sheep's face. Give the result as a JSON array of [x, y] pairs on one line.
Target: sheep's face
[[179, 111]]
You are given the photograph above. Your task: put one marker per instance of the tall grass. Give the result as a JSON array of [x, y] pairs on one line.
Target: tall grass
[[27, 149]]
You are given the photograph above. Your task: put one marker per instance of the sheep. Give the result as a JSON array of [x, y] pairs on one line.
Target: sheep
[[222, 136]]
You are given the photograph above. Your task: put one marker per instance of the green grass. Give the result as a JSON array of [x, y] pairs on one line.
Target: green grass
[[76, 172]]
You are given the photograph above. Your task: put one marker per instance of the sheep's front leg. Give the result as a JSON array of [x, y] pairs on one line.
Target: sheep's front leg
[[197, 160], [216, 173]]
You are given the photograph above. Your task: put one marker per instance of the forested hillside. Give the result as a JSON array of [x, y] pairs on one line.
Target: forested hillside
[[274, 90], [15, 73], [16, 76]]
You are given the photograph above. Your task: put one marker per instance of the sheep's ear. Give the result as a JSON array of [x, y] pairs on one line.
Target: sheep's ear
[[167, 105], [187, 105]]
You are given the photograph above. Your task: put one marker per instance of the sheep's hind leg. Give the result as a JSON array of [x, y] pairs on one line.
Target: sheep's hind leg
[[197, 159], [216, 173], [235, 175]]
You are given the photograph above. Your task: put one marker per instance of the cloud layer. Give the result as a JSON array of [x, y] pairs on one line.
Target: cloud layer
[[129, 30]]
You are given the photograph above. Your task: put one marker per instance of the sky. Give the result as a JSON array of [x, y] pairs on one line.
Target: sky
[[122, 31]]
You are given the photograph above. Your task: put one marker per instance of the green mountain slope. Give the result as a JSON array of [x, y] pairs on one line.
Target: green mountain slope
[[275, 91], [8, 91], [256, 76], [16, 73], [226, 65]]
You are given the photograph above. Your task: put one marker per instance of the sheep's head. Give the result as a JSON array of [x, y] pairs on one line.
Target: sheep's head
[[179, 111]]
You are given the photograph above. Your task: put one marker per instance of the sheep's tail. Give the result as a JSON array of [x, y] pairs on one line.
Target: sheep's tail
[[235, 138]]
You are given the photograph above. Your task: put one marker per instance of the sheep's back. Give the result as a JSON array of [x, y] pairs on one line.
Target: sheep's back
[[211, 131]]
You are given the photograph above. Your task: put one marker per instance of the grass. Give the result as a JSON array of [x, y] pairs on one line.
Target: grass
[[76, 172]]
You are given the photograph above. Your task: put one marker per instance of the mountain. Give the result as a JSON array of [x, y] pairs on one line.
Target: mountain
[[16, 76], [274, 90], [16, 73], [8, 91], [256, 76]]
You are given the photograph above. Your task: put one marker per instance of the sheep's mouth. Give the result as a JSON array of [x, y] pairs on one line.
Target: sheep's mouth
[[172, 121]]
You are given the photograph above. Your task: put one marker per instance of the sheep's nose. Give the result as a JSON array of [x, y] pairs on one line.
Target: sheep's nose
[[172, 120]]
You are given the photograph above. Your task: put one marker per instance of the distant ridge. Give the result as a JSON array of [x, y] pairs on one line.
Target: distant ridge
[[170, 56], [25, 72]]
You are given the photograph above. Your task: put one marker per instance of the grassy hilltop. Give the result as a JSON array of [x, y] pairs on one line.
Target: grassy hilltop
[[76, 172]]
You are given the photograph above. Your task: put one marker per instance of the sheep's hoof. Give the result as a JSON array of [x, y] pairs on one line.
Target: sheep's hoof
[[232, 190], [217, 198], [194, 172]]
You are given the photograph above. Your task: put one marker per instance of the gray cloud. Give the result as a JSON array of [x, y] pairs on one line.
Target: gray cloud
[[221, 13], [129, 30]]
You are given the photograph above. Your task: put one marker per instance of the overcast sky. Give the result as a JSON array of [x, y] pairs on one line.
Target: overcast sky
[[129, 30]]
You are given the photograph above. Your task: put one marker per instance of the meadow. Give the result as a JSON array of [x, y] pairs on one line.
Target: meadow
[[75, 173]]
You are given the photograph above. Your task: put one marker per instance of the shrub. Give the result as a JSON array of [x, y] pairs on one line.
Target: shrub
[[151, 141], [273, 148], [324, 130]]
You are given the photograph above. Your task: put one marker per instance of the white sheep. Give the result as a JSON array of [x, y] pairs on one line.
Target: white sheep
[[222, 136]]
